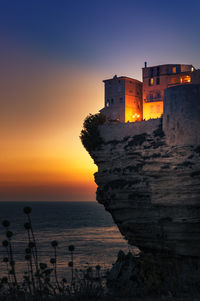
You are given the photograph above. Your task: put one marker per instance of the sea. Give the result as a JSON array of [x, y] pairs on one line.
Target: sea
[[86, 225]]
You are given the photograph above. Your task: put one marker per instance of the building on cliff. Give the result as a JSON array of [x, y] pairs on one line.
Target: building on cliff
[[129, 100], [156, 80], [123, 99]]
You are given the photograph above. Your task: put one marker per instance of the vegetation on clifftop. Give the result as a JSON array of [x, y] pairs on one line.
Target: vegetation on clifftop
[[90, 136]]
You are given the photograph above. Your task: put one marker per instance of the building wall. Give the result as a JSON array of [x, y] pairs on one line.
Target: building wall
[[114, 99], [133, 101], [181, 119], [196, 77], [123, 99], [152, 110], [119, 131]]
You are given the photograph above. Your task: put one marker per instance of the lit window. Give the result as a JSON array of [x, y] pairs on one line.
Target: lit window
[[192, 69], [173, 69], [173, 80], [186, 79], [107, 103], [151, 81]]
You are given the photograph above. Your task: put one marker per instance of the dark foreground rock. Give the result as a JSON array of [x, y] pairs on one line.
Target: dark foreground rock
[[154, 275]]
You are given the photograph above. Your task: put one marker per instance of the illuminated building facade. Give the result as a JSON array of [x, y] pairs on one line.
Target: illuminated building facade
[[158, 78], [123, 99], [129, 100]]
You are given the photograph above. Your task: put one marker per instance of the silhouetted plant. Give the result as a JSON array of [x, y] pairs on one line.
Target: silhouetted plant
[[90, 136], [53, 261], [9, 260], [33, 249], [37, 283], [71, 249]]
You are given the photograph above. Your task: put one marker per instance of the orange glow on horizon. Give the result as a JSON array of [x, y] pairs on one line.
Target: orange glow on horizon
[[40, 144]]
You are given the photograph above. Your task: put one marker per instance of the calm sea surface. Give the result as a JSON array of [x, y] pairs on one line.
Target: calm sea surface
[[86, 225]]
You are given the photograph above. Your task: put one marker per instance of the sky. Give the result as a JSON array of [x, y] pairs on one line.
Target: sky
[[53, 58]]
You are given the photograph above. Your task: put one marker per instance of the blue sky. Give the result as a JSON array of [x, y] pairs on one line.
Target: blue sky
[[118, 35]]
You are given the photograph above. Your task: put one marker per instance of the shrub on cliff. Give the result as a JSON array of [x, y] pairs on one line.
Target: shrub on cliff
[[90, 136]]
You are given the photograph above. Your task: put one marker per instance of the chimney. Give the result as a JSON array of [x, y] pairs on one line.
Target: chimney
[[145, 64]]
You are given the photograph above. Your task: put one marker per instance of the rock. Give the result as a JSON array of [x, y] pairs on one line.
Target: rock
[[152, 191], [154, 275], [149, 180]]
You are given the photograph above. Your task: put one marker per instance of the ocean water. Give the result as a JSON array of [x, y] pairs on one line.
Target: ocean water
[[86, 225]]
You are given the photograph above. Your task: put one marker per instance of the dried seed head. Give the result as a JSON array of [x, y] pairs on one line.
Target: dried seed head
[[71, 248], [5, 243], [5, 259], [28, 257], [27, 250], [31, 245], [4, 280], [70, 264], [52, 260], [27, 210], [98, 267], [5, 223], [54, 243], [12, 263], [9, 234], [43, 266], [27, 226]]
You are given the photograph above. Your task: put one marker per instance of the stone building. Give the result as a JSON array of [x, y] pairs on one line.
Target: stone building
[[156, 80], [123, 99], [129, 100]]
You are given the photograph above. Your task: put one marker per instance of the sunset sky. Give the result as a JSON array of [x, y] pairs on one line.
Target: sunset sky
[[53, 58]]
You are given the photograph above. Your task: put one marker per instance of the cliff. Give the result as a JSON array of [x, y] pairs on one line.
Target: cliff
[[149, 174]]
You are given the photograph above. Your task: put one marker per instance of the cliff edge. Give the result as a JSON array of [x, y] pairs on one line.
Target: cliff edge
[[149, 176]]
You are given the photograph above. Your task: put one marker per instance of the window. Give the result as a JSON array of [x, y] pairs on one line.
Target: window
[[158, 71], [121, 100], [150, 97], [107, 103], [158, 81], [158, 95], [112, 101], [151, 72], [186, 79], [173, 69], [151, 81], [173, 80]]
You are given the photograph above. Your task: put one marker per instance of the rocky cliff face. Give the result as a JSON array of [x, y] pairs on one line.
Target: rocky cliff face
[[152, 191], [152, 187]]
